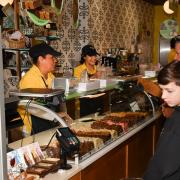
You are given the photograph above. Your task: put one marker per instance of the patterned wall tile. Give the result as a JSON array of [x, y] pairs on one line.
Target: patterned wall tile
[[106, 24]]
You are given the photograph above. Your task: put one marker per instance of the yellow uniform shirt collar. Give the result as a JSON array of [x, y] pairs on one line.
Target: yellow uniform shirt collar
[[89, 71], [37, 71]]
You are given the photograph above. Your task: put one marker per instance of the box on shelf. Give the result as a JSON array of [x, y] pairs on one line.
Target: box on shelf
[[105, 82], [150, 73], [88, 86], [64, 83]]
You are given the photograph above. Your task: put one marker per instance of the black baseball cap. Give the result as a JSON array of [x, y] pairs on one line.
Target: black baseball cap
[[177, 39], [42, 50], [89, 50]]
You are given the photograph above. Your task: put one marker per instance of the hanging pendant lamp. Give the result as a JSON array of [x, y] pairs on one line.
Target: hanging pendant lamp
[[5, 2], [166, 8]]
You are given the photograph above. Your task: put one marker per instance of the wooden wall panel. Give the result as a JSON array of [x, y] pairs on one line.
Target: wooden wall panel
[[76, 177], [140, 150], [109, 167]]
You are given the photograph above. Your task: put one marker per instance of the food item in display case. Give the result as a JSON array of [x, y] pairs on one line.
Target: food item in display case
[[25, 176], [44, 165], [53, 150], [84, 130], [98, 142], [124, 119], [130, 114], [28, 158], [104, 135], [113, 120], [105, 125], [51, 160], [86, 126], [32, 177], [85, 147], [39, 171]]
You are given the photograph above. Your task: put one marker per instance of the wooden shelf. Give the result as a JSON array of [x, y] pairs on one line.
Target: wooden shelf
[[15, 49]]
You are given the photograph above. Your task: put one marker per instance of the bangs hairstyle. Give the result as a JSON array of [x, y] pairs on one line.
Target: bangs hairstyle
[[170, 73]]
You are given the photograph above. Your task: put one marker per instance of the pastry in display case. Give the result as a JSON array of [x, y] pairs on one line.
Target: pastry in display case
[[97, 134], [130, 107], [29, 162]]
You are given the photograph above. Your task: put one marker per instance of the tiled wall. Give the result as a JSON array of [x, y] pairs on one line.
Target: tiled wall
[[106, 24]]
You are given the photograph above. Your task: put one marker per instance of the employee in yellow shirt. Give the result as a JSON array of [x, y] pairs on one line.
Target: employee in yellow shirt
[[39, 76], [174, 54], [177, 48], [87, 63]]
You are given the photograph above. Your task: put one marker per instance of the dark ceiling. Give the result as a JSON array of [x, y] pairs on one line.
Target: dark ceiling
[[156, 2]]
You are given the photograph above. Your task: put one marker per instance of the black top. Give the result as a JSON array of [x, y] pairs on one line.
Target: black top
[[165, 165]]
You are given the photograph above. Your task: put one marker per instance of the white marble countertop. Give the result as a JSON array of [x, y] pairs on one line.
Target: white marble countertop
[[63, 174]]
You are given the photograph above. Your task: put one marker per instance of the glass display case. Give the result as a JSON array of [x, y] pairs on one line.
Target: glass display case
[[131, 111], [131, 107]]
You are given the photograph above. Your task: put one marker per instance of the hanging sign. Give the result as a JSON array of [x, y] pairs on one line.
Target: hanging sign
[[169, 28]]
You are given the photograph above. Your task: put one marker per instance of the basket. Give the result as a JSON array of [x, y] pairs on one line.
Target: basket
[[16, 43]]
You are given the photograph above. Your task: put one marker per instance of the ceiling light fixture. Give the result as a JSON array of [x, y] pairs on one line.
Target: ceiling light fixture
[[166, 8], [5, 2]]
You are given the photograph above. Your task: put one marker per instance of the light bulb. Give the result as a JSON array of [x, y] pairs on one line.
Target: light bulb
[[166, 8], [5, 2]]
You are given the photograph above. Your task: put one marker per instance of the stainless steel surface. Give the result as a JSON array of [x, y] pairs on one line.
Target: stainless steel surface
[[164, 49], [42, 112], [37, 92]]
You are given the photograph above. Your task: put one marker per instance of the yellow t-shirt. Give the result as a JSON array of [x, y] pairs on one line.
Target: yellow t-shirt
[[171, 55], [79, 69], [32, 79]]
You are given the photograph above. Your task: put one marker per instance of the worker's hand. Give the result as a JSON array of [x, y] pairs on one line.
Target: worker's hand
[[66, 117], [98, 74]]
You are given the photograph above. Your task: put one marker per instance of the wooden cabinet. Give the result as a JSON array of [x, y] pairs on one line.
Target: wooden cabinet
[[110, 166], [76, 176], [139, 152]]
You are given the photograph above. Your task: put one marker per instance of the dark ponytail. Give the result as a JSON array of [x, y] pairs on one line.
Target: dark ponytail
[[82, 59]]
